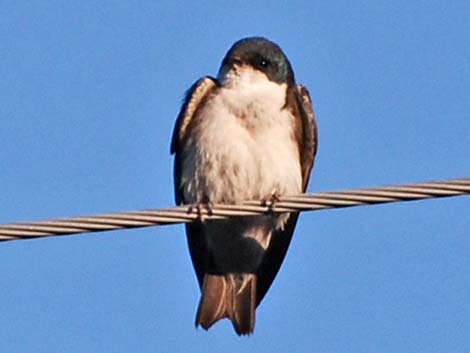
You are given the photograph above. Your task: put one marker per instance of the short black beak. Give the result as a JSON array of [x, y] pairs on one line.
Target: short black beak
[[231, 61], [236, 60]]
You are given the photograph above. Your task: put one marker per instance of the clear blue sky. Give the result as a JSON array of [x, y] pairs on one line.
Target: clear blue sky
[[89, 93]]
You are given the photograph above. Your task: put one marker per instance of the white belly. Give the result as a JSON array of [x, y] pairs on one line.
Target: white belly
[[235, 155]]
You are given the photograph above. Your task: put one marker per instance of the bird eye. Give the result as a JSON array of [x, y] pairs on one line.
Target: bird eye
[[264, 63]]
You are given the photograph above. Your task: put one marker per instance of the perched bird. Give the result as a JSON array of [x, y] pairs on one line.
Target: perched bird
[[248, 134]]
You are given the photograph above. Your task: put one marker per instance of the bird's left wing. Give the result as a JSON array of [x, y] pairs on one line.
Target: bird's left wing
[[307, 136], [309, 144]]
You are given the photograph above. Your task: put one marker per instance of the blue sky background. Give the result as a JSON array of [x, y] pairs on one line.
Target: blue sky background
[[89, 94]]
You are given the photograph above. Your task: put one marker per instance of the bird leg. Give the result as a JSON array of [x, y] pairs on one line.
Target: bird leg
[[270, 200], [199, 207]]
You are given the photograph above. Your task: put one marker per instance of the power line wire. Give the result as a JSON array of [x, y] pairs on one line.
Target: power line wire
[[181, 214]]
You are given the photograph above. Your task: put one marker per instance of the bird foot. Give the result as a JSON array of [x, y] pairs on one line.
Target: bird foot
[[271, 200], [199, 208]]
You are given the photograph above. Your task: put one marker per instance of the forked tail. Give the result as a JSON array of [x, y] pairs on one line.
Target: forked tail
[[232, 296]]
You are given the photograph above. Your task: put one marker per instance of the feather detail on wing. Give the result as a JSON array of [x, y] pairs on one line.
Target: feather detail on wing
[[193, 100], [194, 96], [309, 141]]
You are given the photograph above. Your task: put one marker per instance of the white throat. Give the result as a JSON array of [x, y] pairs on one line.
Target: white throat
[[244, 84]]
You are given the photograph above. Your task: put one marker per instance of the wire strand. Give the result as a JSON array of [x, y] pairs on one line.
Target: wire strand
[[183, 214]]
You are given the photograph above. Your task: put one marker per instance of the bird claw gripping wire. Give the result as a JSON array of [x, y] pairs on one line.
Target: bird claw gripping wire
[[271, 200], [199, 208]]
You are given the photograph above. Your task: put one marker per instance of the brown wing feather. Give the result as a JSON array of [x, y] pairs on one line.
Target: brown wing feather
[[309, 142], [195, 236], [194, 96], [193, 99], [307, 136]]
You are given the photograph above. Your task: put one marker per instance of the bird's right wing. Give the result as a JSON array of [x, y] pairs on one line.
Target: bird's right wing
[[193, 100], [195, 97]]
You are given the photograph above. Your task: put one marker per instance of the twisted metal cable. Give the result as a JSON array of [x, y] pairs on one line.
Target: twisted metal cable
[[183, 214]]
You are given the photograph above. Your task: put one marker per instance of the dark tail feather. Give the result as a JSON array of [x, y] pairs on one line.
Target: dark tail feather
[[232, 296], [212, 306]]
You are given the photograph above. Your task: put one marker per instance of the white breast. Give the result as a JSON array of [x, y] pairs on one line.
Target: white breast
[[243, 146]]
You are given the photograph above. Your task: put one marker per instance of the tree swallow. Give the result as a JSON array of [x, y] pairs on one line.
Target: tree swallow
[[248, 134]]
